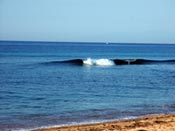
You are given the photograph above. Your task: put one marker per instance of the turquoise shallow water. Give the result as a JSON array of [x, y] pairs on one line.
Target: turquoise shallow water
[[40, 85]]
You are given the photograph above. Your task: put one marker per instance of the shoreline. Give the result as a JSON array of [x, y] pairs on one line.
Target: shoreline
[[158, 122]]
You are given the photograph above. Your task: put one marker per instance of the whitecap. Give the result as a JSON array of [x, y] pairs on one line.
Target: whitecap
[[98, 62]]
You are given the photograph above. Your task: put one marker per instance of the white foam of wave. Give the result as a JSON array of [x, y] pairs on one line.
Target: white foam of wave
[[80, 123], [98, 62], [88, 122]]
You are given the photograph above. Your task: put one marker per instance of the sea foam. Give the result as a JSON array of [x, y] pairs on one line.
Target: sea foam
[[98, 62]]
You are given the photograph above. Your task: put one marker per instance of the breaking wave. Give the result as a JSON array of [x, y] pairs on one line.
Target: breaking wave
[[111, 62], [98, 62]]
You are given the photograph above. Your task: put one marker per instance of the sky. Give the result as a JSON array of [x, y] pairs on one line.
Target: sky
[[131, 21]]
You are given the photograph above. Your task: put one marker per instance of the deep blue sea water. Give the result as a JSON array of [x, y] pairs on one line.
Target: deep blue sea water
[[46, 84]]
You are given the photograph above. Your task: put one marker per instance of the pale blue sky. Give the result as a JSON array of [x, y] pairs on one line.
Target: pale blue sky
[[145, 21]]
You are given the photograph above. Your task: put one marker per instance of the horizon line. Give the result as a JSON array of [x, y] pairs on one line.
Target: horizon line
[[89, 42]]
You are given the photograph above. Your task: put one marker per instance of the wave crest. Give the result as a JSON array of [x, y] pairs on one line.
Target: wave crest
[[98, 62], [110, 62]]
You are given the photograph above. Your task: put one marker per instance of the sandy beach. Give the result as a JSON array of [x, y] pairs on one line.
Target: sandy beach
[[148, 123]]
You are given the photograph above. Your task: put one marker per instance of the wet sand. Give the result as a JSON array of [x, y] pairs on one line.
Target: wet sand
[[147, 123]]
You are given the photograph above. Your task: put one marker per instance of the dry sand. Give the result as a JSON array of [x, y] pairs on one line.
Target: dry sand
[[147, 123]]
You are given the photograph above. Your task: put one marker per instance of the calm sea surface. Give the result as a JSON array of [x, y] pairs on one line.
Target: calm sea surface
[[48, 84]]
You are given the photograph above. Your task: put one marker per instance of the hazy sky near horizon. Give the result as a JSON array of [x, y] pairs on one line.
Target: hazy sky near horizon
[[145, 21]]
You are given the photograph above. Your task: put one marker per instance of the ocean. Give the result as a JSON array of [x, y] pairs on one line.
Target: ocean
[[45, 84]]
